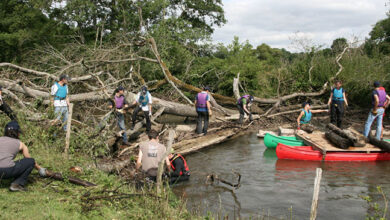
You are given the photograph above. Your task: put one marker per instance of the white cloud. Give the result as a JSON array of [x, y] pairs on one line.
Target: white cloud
[[274, 22]]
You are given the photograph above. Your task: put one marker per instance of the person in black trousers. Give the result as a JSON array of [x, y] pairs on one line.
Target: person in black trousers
[[337, 100], [10, 146], [5, 108]]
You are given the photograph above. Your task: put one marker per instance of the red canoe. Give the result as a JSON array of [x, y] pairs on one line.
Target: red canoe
[[307, 153]]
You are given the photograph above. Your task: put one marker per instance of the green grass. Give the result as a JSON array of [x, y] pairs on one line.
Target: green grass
[[48, 199]]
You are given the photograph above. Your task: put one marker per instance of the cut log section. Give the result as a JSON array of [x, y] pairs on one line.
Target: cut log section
[[345, 134], [337, 140], [384, 145]]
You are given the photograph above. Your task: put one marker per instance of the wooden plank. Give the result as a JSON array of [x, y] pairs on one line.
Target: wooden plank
[[68, 128], [316, 192], [318, 141]]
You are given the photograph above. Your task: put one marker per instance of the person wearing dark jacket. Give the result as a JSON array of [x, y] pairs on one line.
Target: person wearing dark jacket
[[5, 108], [180, 171]]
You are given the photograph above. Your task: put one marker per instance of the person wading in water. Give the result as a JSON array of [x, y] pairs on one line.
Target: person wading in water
[[180, 171], [150, 154]]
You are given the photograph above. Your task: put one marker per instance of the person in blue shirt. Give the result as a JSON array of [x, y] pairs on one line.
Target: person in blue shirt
[[60, 100], [305, 117], [337, 100]]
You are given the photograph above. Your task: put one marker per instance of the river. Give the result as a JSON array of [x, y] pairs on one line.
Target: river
[[279, 188]]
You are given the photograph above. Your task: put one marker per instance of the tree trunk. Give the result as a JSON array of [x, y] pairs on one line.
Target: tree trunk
[[384, 145], [337, 140]]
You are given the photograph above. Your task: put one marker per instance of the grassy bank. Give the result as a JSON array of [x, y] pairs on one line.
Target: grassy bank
[[113, 198]]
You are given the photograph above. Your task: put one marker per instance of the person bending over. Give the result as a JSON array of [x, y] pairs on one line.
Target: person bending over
[[150, 154], [243, 105], [10, 146], [180, 171]]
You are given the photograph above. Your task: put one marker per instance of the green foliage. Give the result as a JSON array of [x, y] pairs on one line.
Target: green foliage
[[48, 199], [377, 211], [22, 26]]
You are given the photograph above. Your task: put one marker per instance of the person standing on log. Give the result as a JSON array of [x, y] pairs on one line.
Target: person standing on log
[[336, 102], [305, 117], [180, 171], [60, 93], [144, 102], [120, 104], [5, 108], [150, 154], [10, 146], [243, 105], [379, 99], [203, 108]]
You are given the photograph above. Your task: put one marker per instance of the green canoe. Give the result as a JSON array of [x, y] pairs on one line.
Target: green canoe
[[271, 141]]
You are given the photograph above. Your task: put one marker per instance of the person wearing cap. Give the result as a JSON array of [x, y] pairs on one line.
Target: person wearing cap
[[150, 154], [60, 100], [243, 105], [203, 108], [305, 117], [337, 100], [5, 108], [143, 101], [180, 171], [379, 99], [19, 170], [119, 101]]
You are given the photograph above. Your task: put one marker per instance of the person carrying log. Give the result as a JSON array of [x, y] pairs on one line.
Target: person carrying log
[[10, 146], [305, 117], [203, 109], [243, 105], [180, 171], [5, 108], [60, 99], [379, 99], [337, 100], [143, 101], [119, 101], [150, 154]]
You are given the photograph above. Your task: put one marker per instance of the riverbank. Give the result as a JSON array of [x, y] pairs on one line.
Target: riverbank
[[112, 198]]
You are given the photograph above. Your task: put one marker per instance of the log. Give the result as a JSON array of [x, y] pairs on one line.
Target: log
[[262, 133], [337, 140], [173, 108], [74, 180], [286, 131], [342, 133], [384, 145]]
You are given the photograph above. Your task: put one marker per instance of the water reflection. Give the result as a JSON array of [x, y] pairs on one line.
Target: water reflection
[[273, 186]]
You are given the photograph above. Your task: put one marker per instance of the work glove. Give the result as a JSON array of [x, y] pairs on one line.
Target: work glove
[[42, 172]]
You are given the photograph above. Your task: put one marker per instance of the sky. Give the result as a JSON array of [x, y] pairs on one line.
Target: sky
[[318, 22]]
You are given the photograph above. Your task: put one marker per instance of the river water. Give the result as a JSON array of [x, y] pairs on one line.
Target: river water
[[279, 188]]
